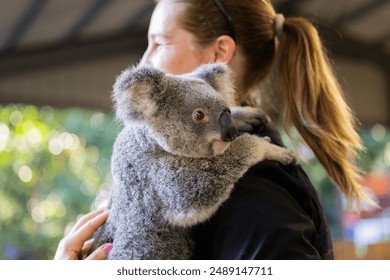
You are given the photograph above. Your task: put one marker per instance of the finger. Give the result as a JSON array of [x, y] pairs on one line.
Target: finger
[[88, 244], [89, 227], [101, 252], [73, 243], [245, 128], [86, 247], [63, 252], [85, 218], [255, 122]]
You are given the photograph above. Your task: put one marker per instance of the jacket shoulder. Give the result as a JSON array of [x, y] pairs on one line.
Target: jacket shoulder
[[273, 213]]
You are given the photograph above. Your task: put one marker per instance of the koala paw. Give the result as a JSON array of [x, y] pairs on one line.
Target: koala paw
[[280, 154], [286, 156]]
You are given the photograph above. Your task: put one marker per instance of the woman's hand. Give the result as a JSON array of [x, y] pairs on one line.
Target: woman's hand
[[249, 119], [76, 242]]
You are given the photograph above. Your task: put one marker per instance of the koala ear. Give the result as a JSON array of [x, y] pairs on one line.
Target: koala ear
[[217, 75], [133, 93]]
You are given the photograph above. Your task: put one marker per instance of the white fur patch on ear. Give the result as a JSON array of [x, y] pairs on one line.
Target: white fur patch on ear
[[225, 88], [140, 100]]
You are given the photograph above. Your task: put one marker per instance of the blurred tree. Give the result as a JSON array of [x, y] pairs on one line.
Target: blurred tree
[[52, 165]]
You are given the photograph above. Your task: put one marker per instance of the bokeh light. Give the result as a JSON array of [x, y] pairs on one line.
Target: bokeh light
[[25, 173], [52, 164], [378, 132]]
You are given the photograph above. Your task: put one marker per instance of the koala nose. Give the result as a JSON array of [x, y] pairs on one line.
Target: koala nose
[[228, 126]]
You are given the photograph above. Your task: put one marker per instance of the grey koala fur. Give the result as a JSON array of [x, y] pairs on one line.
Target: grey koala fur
[[171, 168]]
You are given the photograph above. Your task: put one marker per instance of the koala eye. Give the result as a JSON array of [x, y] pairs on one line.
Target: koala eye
[[199, 116]]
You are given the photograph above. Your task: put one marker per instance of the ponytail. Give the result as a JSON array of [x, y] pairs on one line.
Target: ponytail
[[315, 105]]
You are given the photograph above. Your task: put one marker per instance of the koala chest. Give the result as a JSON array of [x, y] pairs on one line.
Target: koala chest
[[132, 168]]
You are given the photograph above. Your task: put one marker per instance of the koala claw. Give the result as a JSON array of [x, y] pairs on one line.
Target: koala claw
[[288, 157], [281, 154], [266, 138]]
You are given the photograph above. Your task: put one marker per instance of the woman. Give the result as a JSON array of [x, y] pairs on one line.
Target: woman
[[273, 212]]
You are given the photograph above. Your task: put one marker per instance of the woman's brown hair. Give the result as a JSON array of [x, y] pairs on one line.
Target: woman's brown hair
[[313, 100]]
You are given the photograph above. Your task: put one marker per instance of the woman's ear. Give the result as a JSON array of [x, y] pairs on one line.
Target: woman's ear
[[224, 48]]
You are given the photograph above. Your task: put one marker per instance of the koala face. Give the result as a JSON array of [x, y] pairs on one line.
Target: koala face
[[195, 122], [186, 114]]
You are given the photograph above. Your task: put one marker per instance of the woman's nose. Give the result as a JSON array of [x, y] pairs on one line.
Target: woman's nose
[[145, 58]]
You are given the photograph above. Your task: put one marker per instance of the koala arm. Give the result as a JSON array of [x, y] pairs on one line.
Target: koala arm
[[192, 189]]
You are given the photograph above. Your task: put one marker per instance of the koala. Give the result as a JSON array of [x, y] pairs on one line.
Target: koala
[[176, 159]]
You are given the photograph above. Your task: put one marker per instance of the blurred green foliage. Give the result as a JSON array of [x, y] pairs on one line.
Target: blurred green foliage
[[52, 165]]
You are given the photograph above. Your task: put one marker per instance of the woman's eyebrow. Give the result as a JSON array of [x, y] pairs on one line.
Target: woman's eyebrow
[[159, 36]]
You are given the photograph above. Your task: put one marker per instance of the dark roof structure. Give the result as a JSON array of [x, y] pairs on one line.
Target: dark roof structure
[[67, 52]]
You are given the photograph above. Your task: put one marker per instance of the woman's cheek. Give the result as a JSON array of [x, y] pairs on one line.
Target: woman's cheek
[[166, 61]]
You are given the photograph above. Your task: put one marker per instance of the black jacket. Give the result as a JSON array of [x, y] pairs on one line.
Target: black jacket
[[273, 213]]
